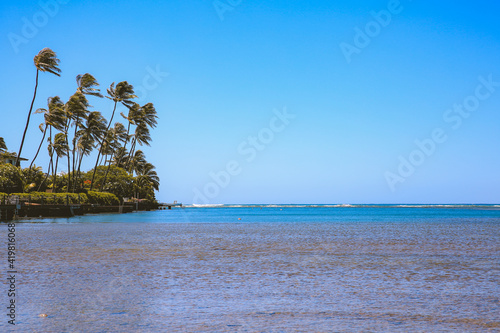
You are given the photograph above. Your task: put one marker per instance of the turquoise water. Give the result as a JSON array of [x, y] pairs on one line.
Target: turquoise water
[[302, 213], [262, 268]]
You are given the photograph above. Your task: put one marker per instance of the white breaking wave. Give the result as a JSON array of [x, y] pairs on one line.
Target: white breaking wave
[[339, 206]]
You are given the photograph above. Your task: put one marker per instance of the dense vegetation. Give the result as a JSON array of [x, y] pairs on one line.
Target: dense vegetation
[[91, 197], [71, 131]]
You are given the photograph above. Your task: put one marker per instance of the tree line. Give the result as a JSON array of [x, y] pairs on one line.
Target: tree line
[[72, 131]]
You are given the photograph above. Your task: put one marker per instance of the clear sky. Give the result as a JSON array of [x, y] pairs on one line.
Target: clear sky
[[281, 101]]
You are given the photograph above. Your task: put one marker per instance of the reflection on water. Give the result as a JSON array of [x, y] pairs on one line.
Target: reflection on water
[[258, 277]]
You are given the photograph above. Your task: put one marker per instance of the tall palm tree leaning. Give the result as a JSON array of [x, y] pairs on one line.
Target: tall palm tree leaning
[[61, 149], [144, 119], [87, 85], [55, 118], [147, 177], [45, 61], [43, 127], [123, 93], [118, 134], [134, 115], [51, 117], [92, 131], [77, 110]]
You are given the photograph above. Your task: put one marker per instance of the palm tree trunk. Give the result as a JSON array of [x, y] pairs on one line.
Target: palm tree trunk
[[100, 148], [54, 189], [51, 162], [80, 162], [48, 174], [97, 163], [69, 172], [79, 167], [127, 139], [77, 172], [107, 171], [74, 149], [104, 158], [95, 168], [27, 121], [131, 154], [66, 131], [40, 146], [34, 158], [112, 115]]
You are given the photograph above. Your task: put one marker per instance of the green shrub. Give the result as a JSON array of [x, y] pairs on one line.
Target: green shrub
[[52, 198], [96, 198], [118, 181], [2, 197], [34, 179], [102, 198], [11, 179]]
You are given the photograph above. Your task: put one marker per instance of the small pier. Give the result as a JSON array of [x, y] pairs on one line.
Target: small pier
[[169, 205]]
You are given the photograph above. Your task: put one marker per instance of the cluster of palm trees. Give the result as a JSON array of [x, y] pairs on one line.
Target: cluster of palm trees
[[73, 131]]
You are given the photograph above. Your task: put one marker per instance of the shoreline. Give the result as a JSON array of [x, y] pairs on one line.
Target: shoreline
[[16, 212]]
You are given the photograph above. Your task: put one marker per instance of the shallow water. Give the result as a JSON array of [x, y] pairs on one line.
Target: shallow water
[[202, 269]]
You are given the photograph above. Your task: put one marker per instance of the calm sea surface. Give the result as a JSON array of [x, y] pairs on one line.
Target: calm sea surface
[[259, 269]]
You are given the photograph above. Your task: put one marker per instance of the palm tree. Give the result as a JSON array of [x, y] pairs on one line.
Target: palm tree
[[117, 134], [43, 128], [148, 176], [107, 147], [46, 61], [55, 117], [87, 85], [123, 93], [134, 114], [141, 136], [51, 162], [147, 179], [84, 146], [120, 157], [52, 117], [61, 148], [93, 131], [77, 109], [136, 163], [94, 127], [140, 116], [149, 115]]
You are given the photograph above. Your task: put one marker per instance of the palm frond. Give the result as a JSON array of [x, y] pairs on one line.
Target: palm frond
[[87, 84], [46, 61]]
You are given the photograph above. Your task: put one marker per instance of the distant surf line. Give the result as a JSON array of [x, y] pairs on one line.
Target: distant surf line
[[449, 206]]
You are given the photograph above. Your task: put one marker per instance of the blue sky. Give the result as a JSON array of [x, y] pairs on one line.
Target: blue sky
[[222, 73]]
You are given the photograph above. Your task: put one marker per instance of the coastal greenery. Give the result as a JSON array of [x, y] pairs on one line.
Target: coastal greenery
[[92, 197], [11, 179], [71, 131]]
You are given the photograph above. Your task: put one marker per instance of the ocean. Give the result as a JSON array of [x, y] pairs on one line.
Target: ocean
[[259, 268]]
